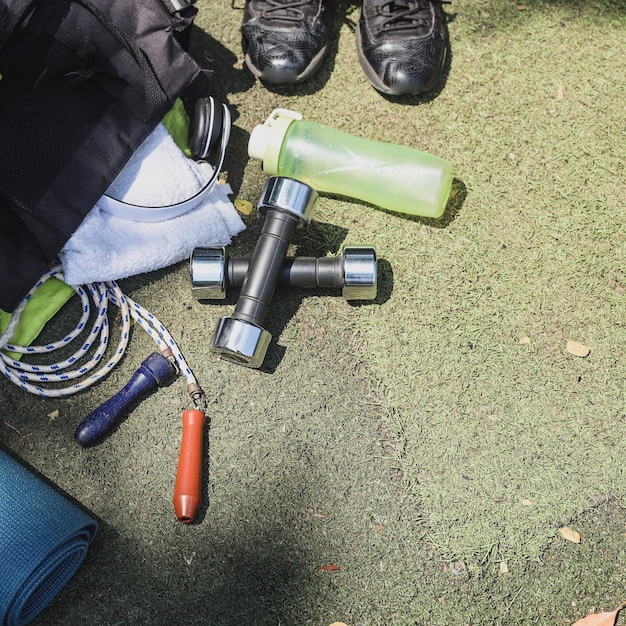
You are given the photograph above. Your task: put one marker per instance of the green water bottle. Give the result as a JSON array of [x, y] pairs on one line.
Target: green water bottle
[[393, 177]]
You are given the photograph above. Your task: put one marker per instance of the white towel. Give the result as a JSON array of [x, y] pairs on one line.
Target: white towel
[[107, 247]]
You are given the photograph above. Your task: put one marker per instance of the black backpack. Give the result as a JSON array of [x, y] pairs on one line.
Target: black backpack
[[83, 83]]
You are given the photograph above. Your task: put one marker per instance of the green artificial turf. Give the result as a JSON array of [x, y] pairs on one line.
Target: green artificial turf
[[410, 460]]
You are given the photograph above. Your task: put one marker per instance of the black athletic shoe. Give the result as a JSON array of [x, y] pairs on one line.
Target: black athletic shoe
[[284, 40], [402, 44]]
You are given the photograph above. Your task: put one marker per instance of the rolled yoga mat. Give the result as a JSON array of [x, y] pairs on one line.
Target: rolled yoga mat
[[43, 541]]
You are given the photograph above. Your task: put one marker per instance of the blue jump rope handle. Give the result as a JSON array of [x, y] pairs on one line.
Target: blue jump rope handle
[[153, 372]]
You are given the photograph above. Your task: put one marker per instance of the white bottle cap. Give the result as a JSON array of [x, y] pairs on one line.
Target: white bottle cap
[[257, 144], [266, 139]]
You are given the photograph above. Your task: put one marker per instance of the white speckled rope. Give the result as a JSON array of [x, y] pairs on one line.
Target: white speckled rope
[[36, 378]]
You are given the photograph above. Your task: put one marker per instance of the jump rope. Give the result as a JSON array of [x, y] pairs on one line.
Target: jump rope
[[83, 369]]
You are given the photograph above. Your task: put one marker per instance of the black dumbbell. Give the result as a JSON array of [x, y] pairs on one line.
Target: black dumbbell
[[287, 204], [213, 273]]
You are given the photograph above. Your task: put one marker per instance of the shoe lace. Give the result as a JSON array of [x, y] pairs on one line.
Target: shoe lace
[[407, 14], [286, 9]]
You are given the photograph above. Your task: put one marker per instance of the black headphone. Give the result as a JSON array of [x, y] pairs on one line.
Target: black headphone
[[205, 129], [209, 132]]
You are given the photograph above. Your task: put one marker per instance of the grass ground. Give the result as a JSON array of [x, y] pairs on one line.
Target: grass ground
[[427, 446]]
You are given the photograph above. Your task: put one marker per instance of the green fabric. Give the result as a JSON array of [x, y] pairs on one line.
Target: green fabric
[[41, 308], [176, 121]]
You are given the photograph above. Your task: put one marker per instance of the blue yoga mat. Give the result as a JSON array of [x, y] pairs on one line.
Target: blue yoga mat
[[43, 541]]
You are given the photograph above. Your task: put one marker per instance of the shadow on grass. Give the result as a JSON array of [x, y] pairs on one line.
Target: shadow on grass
[[259, 566]]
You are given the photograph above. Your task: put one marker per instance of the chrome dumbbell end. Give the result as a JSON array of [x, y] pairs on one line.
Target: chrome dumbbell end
[[291, 197], [241, 342], [207, 271], [360, 271]]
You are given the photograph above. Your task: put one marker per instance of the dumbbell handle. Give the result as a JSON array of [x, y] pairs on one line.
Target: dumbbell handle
[[265, 266], [324, 272]]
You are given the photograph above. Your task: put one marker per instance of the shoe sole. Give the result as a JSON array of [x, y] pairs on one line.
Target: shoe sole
[[376, 81], [311, 68]]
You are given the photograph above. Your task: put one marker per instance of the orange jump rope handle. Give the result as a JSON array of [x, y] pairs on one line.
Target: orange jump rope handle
[[188, 487]]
